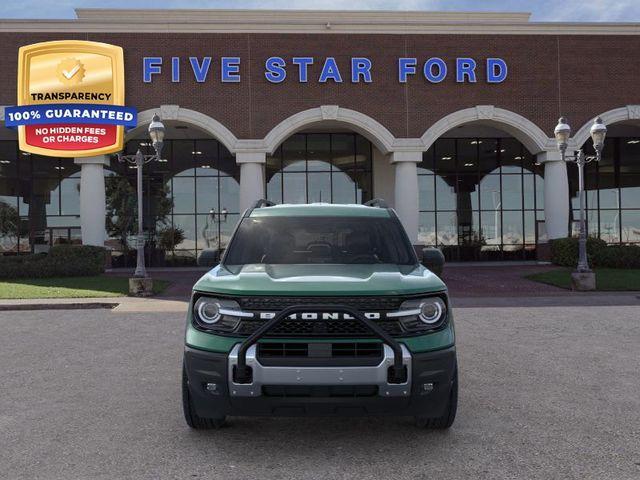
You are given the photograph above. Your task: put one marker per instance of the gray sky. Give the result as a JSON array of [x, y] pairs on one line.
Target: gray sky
[[543, 10]]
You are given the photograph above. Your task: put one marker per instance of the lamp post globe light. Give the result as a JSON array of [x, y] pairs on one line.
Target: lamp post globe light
[[141, 284], [583, 278]]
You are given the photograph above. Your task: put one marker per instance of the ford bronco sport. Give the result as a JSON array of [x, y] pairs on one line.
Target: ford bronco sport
[[319, 310]]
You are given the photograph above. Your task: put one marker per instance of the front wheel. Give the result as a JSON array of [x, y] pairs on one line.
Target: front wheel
[[191, 417], [446, 420]]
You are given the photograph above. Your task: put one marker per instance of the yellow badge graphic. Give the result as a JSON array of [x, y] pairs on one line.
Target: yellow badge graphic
[[71, 99], [70, 71]]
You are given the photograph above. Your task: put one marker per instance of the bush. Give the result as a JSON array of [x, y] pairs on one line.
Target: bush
[[169, 237], [618, 256], [61, 261], [564, 252]]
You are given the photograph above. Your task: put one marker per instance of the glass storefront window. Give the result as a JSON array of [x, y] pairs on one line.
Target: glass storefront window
[[630, 225], [612, 191], [320, 167], [195, 188], [630, 190], [512, 192], [480, 198]]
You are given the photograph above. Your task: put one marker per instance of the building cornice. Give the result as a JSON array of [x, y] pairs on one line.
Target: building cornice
[[318, 22]]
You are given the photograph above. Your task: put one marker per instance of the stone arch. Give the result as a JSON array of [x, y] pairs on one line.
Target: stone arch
[[197, 119], [527, 132], [374, 131], [622, 114]]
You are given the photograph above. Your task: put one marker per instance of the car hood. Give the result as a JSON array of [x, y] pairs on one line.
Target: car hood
[[320, 279]]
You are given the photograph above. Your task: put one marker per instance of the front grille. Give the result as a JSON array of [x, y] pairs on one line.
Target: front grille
[[359, 350], [282, 350], [333, 350], [323, 328], [318, 328], [370, 304]]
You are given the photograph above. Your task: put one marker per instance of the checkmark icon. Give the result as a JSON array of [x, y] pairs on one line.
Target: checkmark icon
[[71, 73]]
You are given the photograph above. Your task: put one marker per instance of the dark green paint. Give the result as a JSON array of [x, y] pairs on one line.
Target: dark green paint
[[306, 280]]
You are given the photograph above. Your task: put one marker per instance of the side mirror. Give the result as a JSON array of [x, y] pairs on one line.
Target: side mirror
[[433, 259], [209, 257]]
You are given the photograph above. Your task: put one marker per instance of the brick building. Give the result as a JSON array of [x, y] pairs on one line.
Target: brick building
[[448, 116]]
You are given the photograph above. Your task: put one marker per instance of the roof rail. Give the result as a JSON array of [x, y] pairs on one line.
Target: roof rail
[[263, 202], [376, 202]]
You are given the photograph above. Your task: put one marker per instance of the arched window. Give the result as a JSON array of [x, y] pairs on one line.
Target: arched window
[[320, 167], [480, 198]]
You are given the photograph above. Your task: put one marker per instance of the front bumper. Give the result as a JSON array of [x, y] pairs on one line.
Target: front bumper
[[425, 393]]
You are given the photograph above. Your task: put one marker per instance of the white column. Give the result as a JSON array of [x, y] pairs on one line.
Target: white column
[[406, 191], [251, 177], [93, 209], [556, 195], [383, 177]]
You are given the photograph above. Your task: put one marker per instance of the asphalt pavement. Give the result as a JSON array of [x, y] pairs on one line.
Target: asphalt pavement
[[548, 392]]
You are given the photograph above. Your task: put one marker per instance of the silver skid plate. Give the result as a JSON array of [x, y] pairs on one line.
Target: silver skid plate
[[358, 375]]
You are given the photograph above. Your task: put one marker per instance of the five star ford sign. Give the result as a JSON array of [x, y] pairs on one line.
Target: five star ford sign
[[71, 99]]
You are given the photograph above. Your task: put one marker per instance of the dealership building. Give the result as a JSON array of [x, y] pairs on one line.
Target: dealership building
[[447, 116]]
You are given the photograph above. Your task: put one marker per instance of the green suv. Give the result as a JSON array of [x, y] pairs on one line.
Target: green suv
[[319, 310]]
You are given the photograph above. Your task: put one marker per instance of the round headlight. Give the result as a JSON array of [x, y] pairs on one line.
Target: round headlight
[[432, 311], [208, 310]]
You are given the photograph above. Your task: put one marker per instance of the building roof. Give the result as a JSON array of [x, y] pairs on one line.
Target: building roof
[[320, 210], [310, 21]]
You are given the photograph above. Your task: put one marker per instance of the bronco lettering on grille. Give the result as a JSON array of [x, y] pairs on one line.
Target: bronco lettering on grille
[[319, 316]]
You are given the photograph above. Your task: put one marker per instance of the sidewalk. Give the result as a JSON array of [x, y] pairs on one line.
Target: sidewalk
[[117, 304]]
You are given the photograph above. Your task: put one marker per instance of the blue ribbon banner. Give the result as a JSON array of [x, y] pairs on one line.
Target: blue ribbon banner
[[70, 113]]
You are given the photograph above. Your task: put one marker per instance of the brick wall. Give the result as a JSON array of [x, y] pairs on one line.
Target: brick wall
[[578, 76]]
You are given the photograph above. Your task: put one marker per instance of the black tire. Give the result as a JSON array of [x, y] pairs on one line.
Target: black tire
[[190, 415], [446, 420]]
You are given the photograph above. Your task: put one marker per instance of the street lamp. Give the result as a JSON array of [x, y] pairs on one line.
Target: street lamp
[[210, 230], [156, 133], [562, 133]]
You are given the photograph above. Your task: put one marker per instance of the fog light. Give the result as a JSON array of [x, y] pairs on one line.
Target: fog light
[[427, 388], [212, 388]]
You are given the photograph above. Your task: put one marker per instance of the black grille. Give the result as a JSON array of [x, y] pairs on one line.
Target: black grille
[[360, 349], [318, 328], [366, 304], [334, 350], [283, 349]]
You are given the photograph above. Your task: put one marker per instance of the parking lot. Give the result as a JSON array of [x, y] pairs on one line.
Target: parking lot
[[551, 392]]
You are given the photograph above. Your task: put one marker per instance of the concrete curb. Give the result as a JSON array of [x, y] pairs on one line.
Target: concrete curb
[[57, 306]]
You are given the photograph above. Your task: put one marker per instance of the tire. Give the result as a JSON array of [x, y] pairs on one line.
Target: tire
[[190, 416], [446, 420]]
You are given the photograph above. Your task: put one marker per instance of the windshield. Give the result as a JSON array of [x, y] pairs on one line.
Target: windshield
[[309, 240]]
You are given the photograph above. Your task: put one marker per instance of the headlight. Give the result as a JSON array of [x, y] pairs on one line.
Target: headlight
[[422, 313], [432, 310], [217, 314], [208, 310]]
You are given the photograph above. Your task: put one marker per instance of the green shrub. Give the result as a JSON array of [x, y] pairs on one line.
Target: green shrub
[[618, 256], [564, 252], [61, 261]]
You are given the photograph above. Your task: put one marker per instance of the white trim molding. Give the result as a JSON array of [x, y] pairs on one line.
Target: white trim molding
[[200, 120], [312, 21], [531, 136], [356, 121], [622, 114]]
